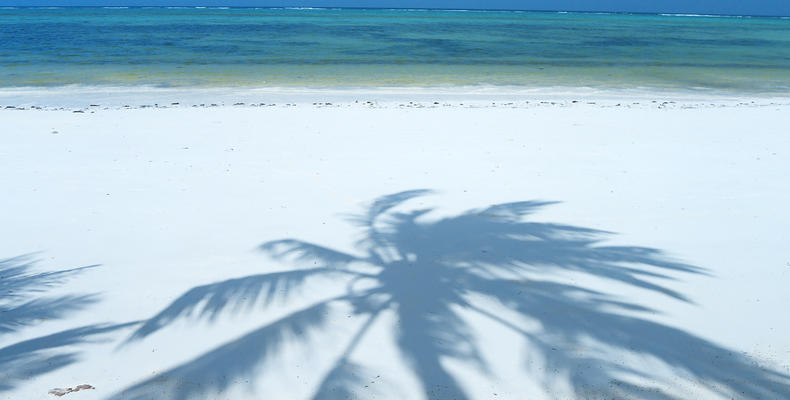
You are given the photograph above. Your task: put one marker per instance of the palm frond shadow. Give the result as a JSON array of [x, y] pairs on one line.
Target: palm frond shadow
[[27, 359], [425, 271], [21, 289], [23, 303]]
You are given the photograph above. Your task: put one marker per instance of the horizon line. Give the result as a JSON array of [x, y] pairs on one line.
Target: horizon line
[[666, 13]]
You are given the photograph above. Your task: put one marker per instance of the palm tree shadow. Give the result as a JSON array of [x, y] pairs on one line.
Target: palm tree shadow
[[23, 303], [425, 271]]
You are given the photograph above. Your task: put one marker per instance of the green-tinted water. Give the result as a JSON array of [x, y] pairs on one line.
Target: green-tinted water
[[288, 47]]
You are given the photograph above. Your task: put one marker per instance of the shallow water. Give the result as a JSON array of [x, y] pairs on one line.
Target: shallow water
[[330, 47]]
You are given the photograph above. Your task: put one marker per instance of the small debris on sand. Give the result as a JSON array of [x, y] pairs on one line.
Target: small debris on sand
[[62, 392]]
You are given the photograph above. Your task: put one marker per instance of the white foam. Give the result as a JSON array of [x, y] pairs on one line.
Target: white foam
[[704, 15]]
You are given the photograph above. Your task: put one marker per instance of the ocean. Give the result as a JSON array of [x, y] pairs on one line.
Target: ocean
[[265, 47]]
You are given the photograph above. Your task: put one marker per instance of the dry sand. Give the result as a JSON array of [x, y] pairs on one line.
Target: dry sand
[[166, 200]]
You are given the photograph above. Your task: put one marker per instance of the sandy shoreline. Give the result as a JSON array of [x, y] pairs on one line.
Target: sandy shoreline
[[87, 97], [171, 205]]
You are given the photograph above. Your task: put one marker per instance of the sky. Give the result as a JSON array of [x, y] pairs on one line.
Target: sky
[[730, 7]]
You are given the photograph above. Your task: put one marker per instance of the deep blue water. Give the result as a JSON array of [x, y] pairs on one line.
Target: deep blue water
[[330, 47]]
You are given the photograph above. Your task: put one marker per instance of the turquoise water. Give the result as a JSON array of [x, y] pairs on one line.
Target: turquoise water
[[174, 47]]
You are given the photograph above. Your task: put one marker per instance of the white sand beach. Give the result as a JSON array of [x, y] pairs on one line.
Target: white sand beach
[[494, 246]]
